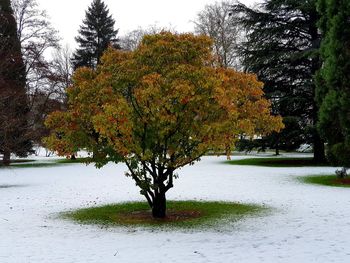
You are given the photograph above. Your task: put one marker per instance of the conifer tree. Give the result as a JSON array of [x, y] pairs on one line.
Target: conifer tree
[[333, 85], [13, 100], [95, 35], [282, 49]]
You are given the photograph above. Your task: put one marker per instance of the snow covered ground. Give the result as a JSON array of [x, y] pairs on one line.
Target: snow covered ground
[[309, 223]]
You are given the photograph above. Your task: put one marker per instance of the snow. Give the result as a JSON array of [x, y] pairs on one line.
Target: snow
[[308, 223]]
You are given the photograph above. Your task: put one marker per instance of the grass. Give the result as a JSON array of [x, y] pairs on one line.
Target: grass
[[329, 180], [77, 160], [37, 164], [18, 161], [180, 214], [277, 162]]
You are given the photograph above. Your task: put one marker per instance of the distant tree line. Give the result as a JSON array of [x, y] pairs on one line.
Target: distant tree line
[[33, 83], [300, 50]]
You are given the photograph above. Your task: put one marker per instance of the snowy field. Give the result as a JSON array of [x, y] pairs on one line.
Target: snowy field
[[309, 223]]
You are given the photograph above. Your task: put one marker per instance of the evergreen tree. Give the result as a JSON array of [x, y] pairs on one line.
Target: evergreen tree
[[333, 85], [13, 100], [282, 49], [95, 35]]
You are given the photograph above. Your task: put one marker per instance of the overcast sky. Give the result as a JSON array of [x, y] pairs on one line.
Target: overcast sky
[[67, 15]]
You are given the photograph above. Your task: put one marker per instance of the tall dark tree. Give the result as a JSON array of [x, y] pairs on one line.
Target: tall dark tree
[[13, 99], [282, 49], [333, 85], [95, 35]]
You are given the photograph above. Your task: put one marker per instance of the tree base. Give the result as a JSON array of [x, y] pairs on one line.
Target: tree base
[[159, 206], [6, 160]]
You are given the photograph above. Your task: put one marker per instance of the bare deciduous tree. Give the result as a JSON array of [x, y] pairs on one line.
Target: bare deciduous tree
[[63, 69], [48, 66], [132, 39], [218, 22], [51, 95], [36, 36]]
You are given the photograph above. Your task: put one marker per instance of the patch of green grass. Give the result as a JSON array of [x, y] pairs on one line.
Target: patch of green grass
[[180, 214], [21, 161], [18, 161], [77, 160], [329, 180], [38, 164], [277, 162], [34, 164]]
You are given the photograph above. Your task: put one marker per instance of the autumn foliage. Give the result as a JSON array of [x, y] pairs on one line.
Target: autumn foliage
[[159, 108]]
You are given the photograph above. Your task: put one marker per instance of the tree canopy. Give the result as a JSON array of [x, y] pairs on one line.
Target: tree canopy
[[159, 108]]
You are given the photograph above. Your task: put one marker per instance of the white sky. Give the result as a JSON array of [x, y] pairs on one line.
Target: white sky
[[67, 15]]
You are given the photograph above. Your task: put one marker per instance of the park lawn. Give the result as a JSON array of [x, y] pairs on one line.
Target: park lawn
[[180, 214], [34, 198]]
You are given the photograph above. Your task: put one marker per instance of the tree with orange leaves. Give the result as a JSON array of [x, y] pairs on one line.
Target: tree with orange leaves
[[159, 108]]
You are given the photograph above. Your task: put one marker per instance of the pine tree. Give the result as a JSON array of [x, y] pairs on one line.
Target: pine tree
[[95, 35], [13, 99], [333, 85], [282, 49]]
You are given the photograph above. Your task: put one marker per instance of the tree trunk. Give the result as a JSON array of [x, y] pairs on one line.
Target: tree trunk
[[159, 205], [277, 145], [6, 158], [319, 151], [318, 143], [277, 151]]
